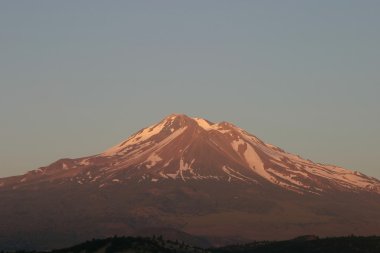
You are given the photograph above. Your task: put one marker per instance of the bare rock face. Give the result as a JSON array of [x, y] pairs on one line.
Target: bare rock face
[[212, 180]]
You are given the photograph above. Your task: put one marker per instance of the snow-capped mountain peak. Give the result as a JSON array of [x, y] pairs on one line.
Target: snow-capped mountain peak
[[183, 148]]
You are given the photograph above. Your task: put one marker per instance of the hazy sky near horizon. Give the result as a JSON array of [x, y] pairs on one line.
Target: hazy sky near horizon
[[77, 77]]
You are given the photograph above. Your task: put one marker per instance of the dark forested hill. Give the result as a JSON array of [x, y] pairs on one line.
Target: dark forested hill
[[130, 245], [312, 244], [305, 244]]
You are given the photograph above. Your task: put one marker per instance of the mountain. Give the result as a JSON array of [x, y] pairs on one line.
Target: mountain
[[211, 180], [186, 149]]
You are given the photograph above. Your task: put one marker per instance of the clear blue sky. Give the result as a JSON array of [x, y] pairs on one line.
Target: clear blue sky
[[77, 77]]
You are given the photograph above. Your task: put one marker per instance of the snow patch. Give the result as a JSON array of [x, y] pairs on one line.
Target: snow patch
[[236, 143], [96, 178], [167, 163], [85, 162], [252, 158], [282, 165], [203, 124], [152, 160], [346, 178], [162, 174], [235, 174], [289, 178], [147, 133], [172, 176], [255, 163], [139, 137], [224, 131], [185, 167]]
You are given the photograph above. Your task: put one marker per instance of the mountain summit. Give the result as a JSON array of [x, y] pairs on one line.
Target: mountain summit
[[182, 148], [188, 179]]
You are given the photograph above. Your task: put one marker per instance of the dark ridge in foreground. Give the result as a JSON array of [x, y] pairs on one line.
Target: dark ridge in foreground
[[351, 244], [304, 244], [130, 245]]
